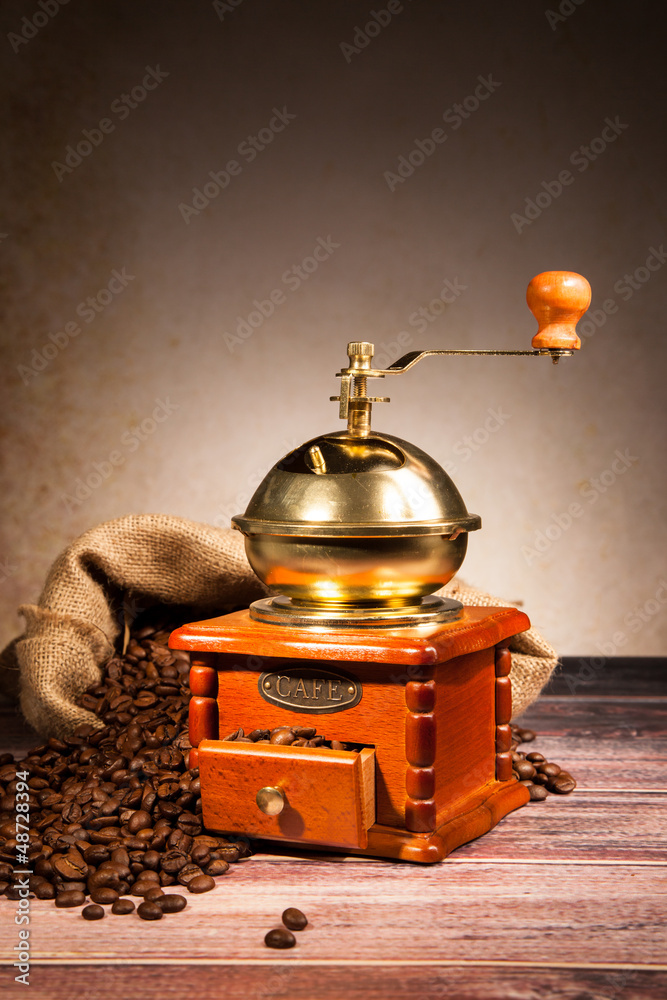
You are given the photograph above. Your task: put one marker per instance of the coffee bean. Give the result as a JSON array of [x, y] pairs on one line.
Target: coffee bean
[[149, 911], [201, 883], [70, 866], [524, 769], [145, 700], [180, 841], [92, 912], [103, 878], [95, 854], [72, 897], [122, 906], [536, 758], [216, 867], [259, 734], [148, 799], [151, 860], [205, 840], [282, 737], [152, 894], [139, 820], [537, 793], [107, 835], [173, 860], [104, 895], [562, 784], [200, 854], [188, 872], [294, 919], [550, 769], [120, 869], [145, 632], [189, 823], [279, 937], [169, 757], [171, 902], [167, 789]]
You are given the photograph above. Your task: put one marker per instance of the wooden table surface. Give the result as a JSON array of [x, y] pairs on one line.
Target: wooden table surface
[[564, 898]]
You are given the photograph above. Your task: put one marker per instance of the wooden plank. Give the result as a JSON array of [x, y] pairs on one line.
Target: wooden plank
[[457, 912], [578, 880], [583, 826], [285, 977]]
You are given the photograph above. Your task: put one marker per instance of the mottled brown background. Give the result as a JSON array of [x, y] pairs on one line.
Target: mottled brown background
[[234, 413]]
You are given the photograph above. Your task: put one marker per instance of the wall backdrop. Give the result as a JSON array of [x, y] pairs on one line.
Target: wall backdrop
[[204, 201]]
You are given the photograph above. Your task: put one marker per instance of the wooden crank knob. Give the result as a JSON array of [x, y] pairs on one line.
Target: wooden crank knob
[[558, 300]]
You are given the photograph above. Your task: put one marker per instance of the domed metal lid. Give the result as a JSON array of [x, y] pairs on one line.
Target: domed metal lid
[[341, 485]]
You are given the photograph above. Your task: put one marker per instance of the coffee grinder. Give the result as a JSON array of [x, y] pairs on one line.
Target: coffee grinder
[[352, 533]]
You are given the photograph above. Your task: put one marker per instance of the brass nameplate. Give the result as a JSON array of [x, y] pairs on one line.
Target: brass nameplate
[[314, 690]]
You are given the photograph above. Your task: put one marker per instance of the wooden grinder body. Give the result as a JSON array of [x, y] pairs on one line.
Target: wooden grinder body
[[431, 707]]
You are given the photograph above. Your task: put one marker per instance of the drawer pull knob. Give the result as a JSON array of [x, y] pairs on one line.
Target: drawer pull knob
[[270, 800]]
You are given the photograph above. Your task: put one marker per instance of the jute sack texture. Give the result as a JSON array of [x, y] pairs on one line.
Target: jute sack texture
[[157, 558]]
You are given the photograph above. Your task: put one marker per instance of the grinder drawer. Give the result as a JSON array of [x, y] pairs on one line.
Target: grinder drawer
[[310, 794]]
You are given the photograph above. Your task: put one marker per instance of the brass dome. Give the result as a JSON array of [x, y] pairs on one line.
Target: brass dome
[[356, 522]]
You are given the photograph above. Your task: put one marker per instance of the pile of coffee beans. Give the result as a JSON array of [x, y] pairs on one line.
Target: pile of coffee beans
[[282, 937], [533, 770], [287, 736], [115, 812]]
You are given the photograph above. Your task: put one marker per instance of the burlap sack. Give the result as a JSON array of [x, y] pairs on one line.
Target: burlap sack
[[111, 568], [533, 659]]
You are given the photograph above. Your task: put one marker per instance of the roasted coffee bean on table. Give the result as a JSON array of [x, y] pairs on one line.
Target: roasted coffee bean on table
[[294, 919], [150, 911], [116, 811], [171, 903], [279, 937], [123, 907]]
